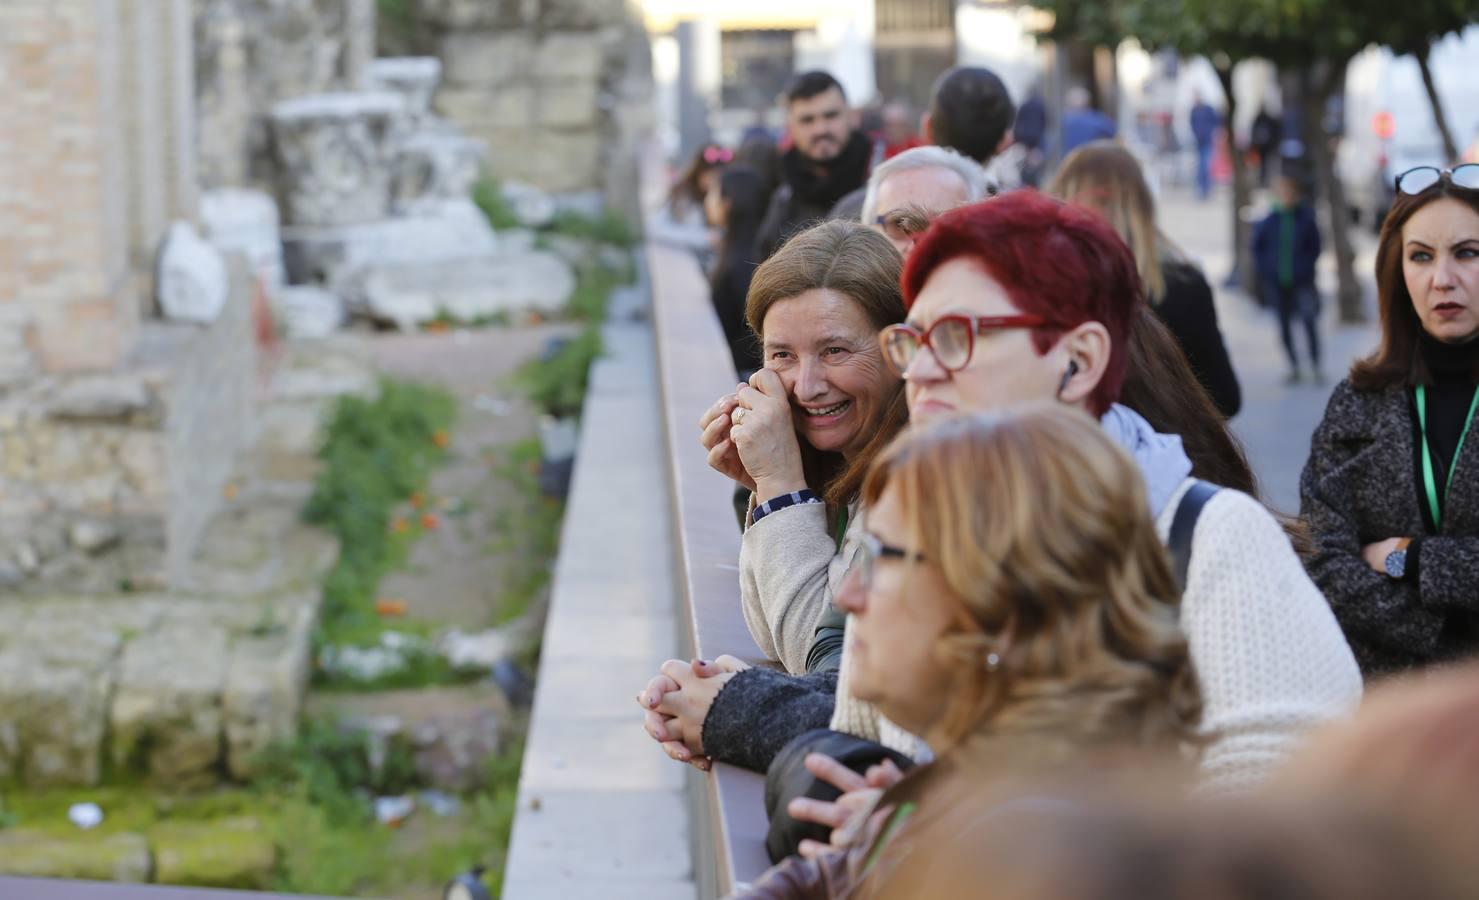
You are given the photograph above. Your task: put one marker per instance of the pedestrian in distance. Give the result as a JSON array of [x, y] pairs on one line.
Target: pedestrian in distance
[[1083, 123], [1391, 488], [1204, 125], [1286, 247]]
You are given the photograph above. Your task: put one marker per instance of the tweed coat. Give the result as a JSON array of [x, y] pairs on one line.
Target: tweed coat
[[1360, 487]]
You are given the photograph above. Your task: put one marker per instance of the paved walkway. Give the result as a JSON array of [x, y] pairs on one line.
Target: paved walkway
[[1276, 421]]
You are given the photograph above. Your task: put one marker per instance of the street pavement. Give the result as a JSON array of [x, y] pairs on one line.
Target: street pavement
[[1276, 420]]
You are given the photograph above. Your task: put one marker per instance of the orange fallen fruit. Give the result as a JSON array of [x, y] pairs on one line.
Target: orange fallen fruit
[[229, 491], [399, 525], [389, 607], [430, 521], [441, 439]]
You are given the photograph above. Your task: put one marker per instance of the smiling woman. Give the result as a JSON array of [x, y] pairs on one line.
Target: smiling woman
[[801, 434]]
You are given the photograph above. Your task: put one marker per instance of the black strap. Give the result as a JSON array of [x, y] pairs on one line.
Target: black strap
[[1185, 524]]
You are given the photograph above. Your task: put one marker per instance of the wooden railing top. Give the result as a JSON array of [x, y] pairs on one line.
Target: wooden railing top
[[695, 369]]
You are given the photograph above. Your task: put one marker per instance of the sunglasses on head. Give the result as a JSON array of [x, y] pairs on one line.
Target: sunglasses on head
[[1415, 181]]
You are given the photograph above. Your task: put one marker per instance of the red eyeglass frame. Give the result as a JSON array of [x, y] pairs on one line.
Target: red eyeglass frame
[[974, 325]]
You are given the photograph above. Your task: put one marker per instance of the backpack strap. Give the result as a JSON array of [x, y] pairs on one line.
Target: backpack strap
[[1184, 525]]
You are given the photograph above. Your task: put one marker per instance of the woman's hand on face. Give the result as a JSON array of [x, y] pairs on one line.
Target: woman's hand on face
[[1376, 554], [848, 813], [766, 436], [724, 457]]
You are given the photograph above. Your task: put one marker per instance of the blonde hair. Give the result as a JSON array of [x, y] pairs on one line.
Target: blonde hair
[[1038, 523], [1124, 201], [863, 266]]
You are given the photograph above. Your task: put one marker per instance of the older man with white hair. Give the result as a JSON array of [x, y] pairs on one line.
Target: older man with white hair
[[907, 192]]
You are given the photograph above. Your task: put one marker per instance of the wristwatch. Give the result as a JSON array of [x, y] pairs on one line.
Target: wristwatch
[[1396, 564]]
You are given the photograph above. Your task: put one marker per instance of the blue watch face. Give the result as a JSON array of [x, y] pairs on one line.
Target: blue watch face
[[1396, 564]]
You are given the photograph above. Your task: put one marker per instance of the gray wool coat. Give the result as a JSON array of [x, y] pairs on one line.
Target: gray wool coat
[[1360, 487]]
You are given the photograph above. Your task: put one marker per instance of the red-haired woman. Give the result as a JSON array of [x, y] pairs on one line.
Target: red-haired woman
[[1391, 489]]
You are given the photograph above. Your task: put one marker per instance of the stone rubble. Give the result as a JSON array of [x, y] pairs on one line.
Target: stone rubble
[[192, 277]]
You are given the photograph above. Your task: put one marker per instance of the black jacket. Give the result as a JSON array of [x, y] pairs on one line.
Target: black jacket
[[806, 196], [1359, 488], [731, 285], [1188, 311]]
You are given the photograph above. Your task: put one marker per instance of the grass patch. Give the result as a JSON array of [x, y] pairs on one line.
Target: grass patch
[[488, 195], [377, 453], [557, 385], [606, 228], [528, 532]]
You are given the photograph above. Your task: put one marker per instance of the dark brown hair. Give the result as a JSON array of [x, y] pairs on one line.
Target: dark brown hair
[[1160, 385], [862, 265], [1396, 361]]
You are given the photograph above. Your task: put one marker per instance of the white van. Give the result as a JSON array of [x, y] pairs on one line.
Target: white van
[[1389, 126]]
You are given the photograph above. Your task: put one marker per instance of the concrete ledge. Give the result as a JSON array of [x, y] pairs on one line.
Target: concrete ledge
[[602, 812]]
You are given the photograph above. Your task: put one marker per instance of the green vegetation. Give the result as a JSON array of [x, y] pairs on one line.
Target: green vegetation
[[313, 801], [377, 453], [607, 228], [557, 385], [488, 195]]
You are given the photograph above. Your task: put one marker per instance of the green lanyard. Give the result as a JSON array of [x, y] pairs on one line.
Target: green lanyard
[[1429, 481], [842, 523]]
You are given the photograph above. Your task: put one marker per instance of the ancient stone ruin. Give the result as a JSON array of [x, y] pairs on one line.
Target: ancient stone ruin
[[180, 181]]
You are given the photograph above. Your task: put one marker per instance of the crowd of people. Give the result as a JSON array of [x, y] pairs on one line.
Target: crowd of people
[[1028, 620]]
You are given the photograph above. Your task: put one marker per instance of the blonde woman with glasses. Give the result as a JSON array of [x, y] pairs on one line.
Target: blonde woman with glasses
[[1013, 605]]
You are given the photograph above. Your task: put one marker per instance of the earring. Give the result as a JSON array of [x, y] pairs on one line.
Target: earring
[[993, 662]]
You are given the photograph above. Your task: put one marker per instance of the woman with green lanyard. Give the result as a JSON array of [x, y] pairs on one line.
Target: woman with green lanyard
[[1391, 489]]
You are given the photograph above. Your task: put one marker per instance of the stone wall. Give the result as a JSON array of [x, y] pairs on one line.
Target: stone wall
[[67, 300], [252, 54], [559, 89], [108, 479]]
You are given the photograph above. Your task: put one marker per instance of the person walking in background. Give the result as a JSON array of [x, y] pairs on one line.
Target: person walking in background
[[1204, 125], [826, 161], [1391, 489], [1030, 132], [1264, 137], [735, 206], [1082, 123], [1106, 178], [1286, 245]]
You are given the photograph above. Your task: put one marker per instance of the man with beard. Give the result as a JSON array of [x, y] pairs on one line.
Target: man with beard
[[827, 159]]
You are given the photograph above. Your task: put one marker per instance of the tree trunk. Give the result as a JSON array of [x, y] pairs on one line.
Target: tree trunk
[[1450, 148], [1349, 295], [1242, 274]]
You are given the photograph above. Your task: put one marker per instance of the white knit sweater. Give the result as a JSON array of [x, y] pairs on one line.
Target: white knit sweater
[[1270, 658]]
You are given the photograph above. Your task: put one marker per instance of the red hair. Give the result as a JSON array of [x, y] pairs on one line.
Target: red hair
[[1054, 260]]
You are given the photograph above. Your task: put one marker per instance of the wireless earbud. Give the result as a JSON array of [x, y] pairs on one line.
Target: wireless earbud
[[1068, 376]]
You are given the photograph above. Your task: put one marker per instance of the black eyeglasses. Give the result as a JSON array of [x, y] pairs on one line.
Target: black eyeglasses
[[1415, 181], [870, 551], [904, 223]]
